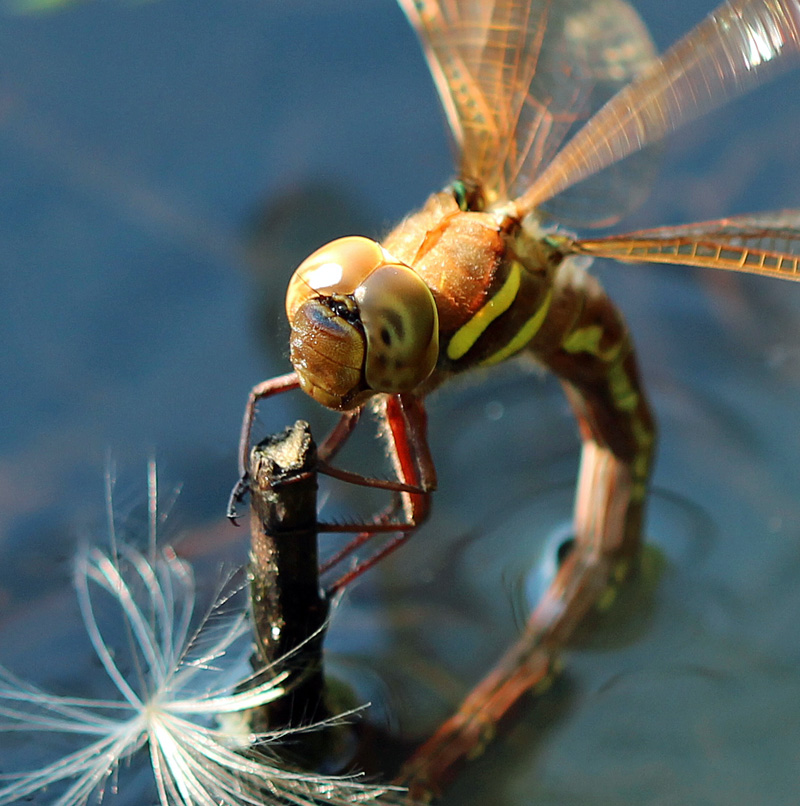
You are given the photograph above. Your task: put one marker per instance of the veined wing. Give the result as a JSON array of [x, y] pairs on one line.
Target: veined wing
[[515, 75], [732, 50], [768, 243]]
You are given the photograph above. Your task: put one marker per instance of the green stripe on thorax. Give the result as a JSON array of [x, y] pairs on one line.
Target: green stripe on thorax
[[466, 336], [516, 290], [523, 335]]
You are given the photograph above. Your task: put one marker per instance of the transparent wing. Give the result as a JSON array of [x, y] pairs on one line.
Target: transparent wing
[[768, 243], [732, 50], [514, 76]]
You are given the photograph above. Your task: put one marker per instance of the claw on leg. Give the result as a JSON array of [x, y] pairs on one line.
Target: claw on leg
[[237, 496], [406, 433]]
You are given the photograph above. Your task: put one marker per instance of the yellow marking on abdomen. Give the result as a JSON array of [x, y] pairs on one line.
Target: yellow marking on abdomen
[[523, 336], [466, 336], [587, 340], [625, 399], [644, 437]]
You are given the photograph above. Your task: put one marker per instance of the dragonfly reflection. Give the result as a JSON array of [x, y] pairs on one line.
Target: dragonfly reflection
[[480, 274]]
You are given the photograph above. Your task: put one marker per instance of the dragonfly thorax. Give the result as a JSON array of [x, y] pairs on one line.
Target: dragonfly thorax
[[490, 275], [362, 323]]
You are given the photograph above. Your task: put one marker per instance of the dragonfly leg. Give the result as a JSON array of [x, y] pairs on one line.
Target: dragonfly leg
[[273, 386], [406, 435], [327, 450], [594, 358], [338, 435]]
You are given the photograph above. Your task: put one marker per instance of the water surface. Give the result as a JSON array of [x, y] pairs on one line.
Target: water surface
[[165, 166]]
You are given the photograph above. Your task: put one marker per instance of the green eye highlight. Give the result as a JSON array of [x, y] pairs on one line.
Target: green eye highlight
[[468, 195], [460, 194]]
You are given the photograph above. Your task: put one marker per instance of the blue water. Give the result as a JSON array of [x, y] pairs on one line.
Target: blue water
[[155, 160]]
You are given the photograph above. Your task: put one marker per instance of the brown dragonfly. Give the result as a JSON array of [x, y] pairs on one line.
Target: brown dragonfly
[[482, 273]]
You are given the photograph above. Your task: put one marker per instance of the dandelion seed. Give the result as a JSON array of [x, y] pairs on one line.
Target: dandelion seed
[[172, 681]]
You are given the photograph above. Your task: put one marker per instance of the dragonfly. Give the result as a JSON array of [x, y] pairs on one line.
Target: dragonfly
[[548, 103]]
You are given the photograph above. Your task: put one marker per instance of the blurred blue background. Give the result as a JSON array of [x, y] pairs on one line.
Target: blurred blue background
[[165, 165]]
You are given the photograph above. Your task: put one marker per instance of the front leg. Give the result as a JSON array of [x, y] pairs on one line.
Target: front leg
[[274, 386], [585, 342], [405, 424]]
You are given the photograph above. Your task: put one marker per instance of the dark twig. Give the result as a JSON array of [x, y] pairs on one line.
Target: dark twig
[[289, 609]]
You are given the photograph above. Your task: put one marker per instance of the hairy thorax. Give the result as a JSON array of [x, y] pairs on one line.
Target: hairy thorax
[[488, 275]]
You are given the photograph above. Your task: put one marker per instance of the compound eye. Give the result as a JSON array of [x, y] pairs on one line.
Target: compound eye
[[337, 268], [361, 323], [401, 325]]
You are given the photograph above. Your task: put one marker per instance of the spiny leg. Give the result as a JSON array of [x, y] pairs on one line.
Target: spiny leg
[[593, 356], [338, 435], [406, 435], [273, 386]]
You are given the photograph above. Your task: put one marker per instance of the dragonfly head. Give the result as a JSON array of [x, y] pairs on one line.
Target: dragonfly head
[[362, 323]]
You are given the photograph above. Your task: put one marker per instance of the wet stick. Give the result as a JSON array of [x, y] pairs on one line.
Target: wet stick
[[288, 607]]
